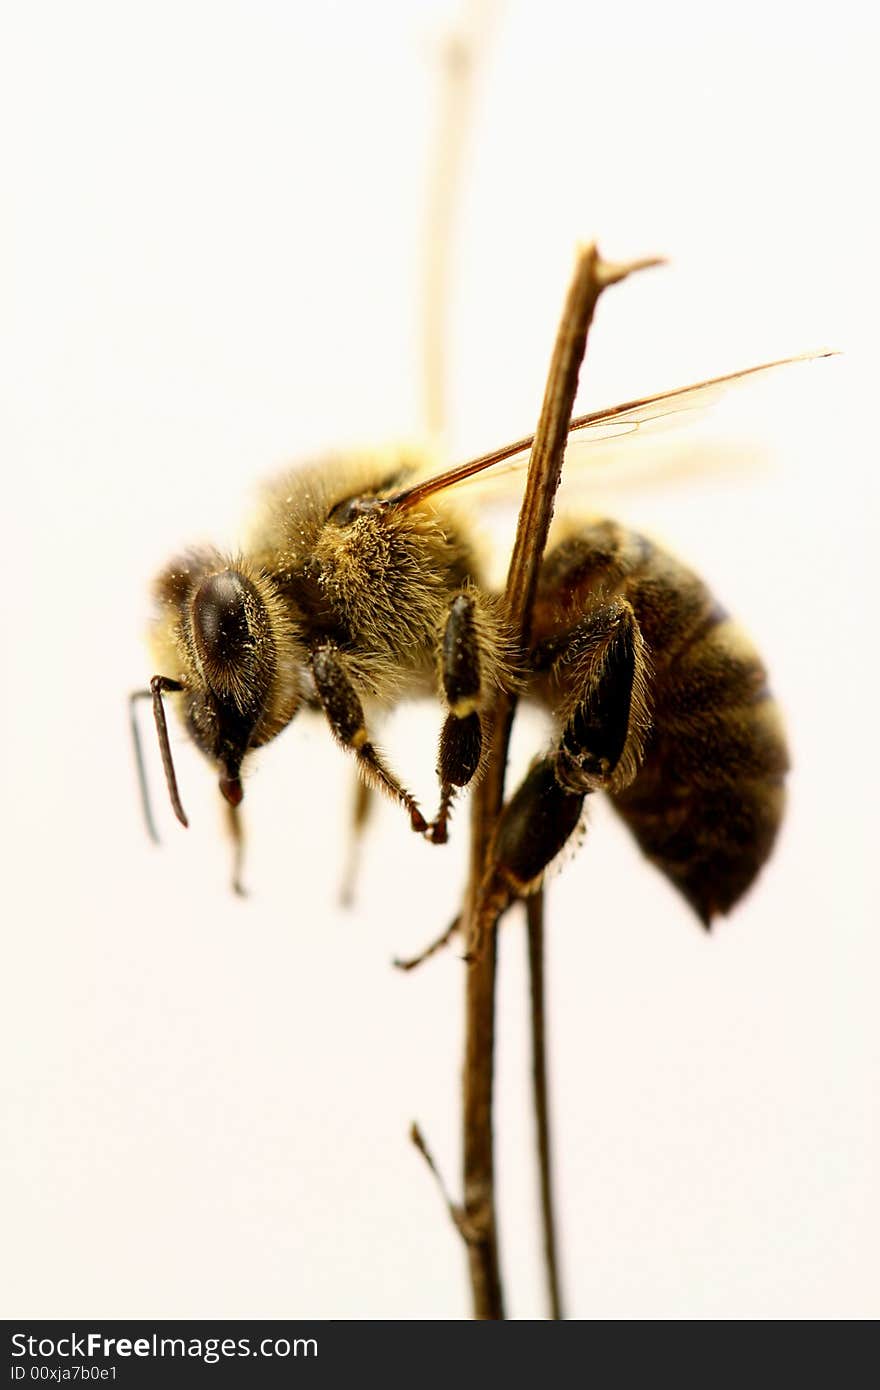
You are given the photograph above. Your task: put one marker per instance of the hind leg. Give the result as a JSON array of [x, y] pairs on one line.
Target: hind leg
[[596, 674]]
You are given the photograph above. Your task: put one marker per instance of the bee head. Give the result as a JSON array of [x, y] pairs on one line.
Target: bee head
[[234, 650]]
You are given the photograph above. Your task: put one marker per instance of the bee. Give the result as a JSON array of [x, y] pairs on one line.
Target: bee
[[362, 583]]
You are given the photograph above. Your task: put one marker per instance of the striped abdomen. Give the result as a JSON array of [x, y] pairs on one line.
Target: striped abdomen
[[707, 799]]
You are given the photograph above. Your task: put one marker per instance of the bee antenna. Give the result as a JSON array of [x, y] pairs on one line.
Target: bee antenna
[[157, 685], [139, 762]]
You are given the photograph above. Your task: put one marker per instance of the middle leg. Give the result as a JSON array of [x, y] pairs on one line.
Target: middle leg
[[474, 660]]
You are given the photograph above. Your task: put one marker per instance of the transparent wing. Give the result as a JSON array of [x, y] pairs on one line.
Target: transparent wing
[[612, 436]]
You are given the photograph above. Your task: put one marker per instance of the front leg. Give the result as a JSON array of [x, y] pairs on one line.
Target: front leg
[[345, 715]]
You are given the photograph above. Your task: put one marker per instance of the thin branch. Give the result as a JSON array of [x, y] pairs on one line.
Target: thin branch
[[417, 1139], [411, 962], [535, 928], [487, 893]]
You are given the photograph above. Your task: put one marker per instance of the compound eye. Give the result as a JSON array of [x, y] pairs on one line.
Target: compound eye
[[220, 618]]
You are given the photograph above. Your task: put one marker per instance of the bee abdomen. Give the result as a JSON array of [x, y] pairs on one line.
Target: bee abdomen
[[710, 842], [707, 799]]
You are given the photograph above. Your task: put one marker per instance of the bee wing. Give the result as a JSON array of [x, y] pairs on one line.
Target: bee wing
[[602, 433]]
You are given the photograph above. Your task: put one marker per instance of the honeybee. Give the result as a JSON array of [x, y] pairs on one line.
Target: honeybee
[[362, 584]]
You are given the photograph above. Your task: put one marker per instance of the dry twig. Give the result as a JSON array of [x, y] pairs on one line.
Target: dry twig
[[488, 895], [540, 1090]]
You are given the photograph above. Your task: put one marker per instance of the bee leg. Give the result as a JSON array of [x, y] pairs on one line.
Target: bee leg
[[345, 715], [534, 826], [360, 811], [600, 666], [461, 747], [601, 670], [461, 742]]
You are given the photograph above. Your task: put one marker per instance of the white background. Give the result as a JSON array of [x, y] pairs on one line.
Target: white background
[[211, 237]]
